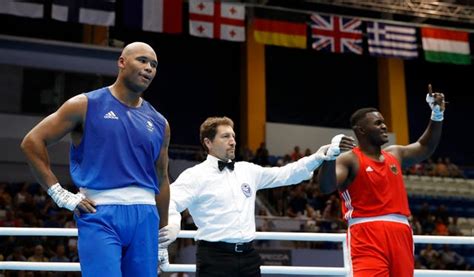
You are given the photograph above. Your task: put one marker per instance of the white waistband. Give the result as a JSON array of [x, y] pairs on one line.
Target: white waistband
[[388, 217], [132, 195]]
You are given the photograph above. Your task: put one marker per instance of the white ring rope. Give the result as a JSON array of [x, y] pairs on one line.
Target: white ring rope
[[288, 270]]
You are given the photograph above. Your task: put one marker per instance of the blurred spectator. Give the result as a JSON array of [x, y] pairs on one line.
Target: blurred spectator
[[72, 253], [453, 170], [442, 213], [296, 155], [60, 257], [307, 152], [440, 228], [298, 203], [38, 255], [267, 225], [17, 255], [418, 264], [60, 254], [5, 197], [246, 154], [11, 220], [429, 226], [452, 260], [27, 210], [416, 169], [261, 155], [284, 160], [424, 213], [317, 200], [429, 257], [278, 199], [453, 228], [416, 225], [429, 168], [441, 170], [331, 216], [20, 197]]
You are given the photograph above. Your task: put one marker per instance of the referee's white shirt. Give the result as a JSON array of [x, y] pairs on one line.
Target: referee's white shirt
[[222, 203]]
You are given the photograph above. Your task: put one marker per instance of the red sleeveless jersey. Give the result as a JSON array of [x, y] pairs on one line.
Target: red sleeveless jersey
[[377, 189]]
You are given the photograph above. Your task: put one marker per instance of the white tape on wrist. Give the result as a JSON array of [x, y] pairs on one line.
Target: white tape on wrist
[[64, 198], [436, 113], [163, 259], [334, 150]]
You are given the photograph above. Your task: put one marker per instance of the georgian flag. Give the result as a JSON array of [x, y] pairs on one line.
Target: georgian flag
[[213, 19]]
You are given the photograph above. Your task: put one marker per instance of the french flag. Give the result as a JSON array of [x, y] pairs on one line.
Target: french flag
[[162, 16]]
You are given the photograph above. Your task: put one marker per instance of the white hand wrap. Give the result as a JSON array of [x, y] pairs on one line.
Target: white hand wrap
[[334, 150], [64, 198], [436, 113], [163, 259], [168, 234]]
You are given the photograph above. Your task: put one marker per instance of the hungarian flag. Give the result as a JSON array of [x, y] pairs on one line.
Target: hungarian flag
[[213, 19], [449, 46], [280, 28], [24, 8], [163, 16]]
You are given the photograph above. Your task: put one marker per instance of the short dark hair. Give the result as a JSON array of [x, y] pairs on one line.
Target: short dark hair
[[360, 114], [208, 128]]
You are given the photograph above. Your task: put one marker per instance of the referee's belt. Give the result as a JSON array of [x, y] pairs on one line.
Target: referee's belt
[[238, 247]]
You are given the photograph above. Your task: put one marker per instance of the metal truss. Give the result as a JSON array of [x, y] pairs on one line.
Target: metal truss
[[443, 10]]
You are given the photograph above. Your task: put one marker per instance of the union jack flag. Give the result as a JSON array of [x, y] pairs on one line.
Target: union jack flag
[[336, 34]]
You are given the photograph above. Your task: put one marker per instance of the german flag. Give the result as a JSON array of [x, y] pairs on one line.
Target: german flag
[[280, 28]]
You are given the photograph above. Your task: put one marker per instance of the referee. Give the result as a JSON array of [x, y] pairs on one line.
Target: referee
[[220, 196]]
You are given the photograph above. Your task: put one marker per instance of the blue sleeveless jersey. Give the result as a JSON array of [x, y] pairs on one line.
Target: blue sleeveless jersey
[[120, 145]]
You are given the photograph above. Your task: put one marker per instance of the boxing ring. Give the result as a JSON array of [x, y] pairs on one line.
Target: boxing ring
[[286, 270]]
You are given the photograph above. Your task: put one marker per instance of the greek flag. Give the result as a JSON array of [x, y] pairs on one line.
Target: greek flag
[[389, 40]]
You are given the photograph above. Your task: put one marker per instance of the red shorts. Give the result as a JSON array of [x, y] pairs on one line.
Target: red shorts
[[381, 248]]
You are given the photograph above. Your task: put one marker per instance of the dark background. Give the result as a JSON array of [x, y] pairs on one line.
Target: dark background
[[200, 77]]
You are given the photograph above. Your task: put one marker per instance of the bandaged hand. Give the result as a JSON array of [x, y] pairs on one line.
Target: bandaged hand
[[333, 151], [338, 144], [64, 198], [168, 234], [163, 259], [436, 103]]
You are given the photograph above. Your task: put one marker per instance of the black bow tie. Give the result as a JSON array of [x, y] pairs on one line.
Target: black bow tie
[[229, 165]]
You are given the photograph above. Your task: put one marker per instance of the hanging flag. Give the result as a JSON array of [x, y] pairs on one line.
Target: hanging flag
[[24, 8], [279, 28], [441, 45], [94, 12], [163, 16], [391, 40], [217, 20], [336, 34]]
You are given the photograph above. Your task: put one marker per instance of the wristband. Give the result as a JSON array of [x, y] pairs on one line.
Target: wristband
[[64, 198], [437, 114]]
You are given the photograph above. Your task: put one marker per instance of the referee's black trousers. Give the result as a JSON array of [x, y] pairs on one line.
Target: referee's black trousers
[[213, 261]]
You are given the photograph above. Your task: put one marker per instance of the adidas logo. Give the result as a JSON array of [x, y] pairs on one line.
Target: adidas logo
[[369, 169], [110, 115]]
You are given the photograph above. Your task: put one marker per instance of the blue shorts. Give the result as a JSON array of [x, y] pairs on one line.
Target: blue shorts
[[119, 240]]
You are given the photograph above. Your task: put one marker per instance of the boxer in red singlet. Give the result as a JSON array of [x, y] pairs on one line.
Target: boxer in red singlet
[[374, 200]]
